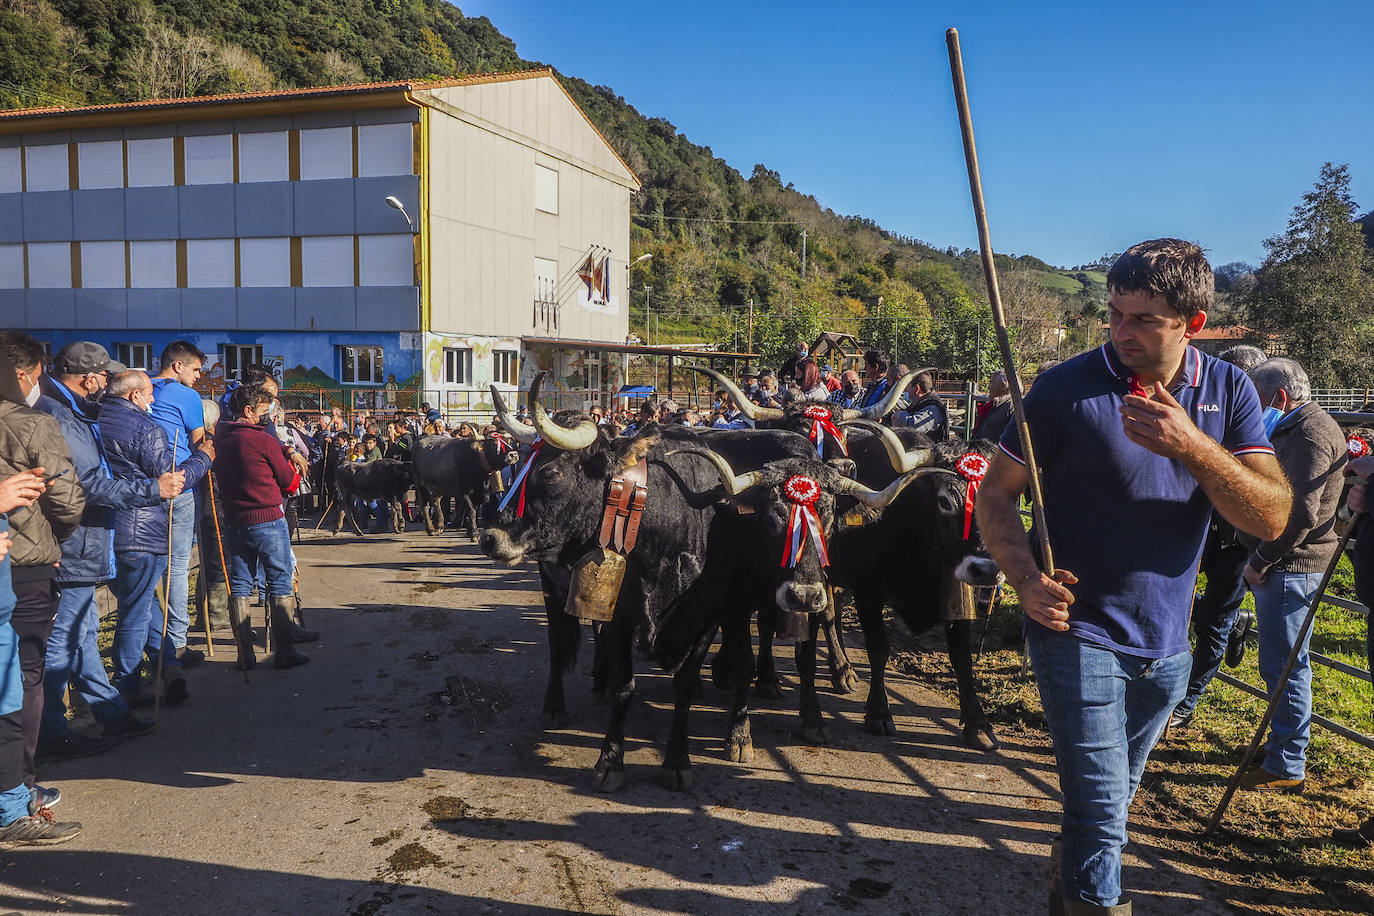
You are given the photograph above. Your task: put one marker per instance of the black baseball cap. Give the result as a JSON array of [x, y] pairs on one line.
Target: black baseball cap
[[82, 356]]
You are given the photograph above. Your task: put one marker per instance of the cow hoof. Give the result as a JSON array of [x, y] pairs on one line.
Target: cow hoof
[[608, 780], [880, 725], [980, 738], [677, 780], [555, 719], [814, 734], [845, 681], [768, 688], [740, 751]]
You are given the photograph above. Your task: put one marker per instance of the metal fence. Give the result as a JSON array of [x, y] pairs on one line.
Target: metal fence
[[1342, 398]]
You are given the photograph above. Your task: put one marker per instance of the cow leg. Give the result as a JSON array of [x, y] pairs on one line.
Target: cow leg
[[766, 681], [564, 636], [676, 772], [813, 730], [877, 715], [977, 729], [599, 665], [722, 666], [843, 678], [739, 743], [609, 773]]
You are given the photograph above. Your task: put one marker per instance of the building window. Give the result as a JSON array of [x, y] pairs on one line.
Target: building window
[[386, 149], [11, 266], [210, 263], [545, 189], [210, 159], [100, 164], [326, 152], [50, 265], [150, 163], [457, 366], [327, 260], [135, 355], [152, 265], [238, 356], [505, 366], [360, 365], [265, 262], [47, 168], [102, 265], [386, 260], [264, 156], [11, 170]]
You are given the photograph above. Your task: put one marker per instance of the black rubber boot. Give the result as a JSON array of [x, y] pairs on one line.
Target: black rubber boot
[[299, 633], [1056, 901], [286, 656], [239, 622]]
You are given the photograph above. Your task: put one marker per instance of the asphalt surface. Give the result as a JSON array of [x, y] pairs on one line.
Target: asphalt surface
[[407, 770]]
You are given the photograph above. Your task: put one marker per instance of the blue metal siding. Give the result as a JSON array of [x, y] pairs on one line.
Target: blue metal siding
[[150, 213], [206, 211], [52, 308], [325, 207], [98, 215], [265, 309], [102, 308], [264, 209], [48, 216]]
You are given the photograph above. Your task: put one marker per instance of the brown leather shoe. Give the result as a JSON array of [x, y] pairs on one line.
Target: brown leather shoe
[[1261, 780]]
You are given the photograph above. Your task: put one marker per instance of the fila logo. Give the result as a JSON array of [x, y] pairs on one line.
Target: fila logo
[[1209, 408]]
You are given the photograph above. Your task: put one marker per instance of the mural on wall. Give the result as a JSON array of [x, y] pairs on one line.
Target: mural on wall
[[481, 348]]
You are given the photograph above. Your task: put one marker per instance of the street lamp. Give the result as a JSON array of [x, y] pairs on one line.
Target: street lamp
[[396, 204], [639, 260]]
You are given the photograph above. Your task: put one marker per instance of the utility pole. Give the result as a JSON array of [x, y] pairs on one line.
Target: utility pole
[[647, 341], [750, 347], [803, 254]]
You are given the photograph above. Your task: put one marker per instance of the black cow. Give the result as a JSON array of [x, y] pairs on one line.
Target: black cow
[[383, 479], [699, 563], [459, 468]]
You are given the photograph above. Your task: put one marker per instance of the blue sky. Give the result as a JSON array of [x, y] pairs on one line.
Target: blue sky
[[1098, 124]]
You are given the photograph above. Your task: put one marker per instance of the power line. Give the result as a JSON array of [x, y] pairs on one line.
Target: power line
[[713, 219]]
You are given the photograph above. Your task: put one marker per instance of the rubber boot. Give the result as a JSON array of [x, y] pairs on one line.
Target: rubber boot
[[241, 624], [299, 633], [1056, 902], [1083, 908], [286, 656]]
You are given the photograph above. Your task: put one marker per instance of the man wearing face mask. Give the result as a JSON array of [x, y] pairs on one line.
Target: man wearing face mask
[[1283, 573], [850, 394], [137, 450], [28, 440], [71, 391]]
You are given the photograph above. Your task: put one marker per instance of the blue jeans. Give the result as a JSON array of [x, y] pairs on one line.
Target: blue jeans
[[1213, 616], [1105, 712], [74, 657], [1281, 603], [14, 801], [179, 564], [266, 546], [137, 574]]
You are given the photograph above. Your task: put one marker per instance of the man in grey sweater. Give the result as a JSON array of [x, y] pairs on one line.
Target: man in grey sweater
[[1284, 573]]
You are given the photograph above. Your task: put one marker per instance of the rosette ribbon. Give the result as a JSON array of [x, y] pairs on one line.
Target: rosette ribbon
[[518, 484], [1356, 447], [821, 426], [802, 522], [973, 467]]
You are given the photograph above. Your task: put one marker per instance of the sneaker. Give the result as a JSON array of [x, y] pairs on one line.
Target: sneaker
[[127, 726], [37, 830], [1262, 780], [72, 746], [189, 657], [1235, 641], [176, 686], [1179, 719], [42, 797]]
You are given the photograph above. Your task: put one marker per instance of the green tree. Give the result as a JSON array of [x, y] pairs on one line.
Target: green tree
[[1315, 290]]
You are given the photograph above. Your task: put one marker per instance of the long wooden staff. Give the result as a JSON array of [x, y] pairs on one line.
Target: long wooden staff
[[999, 318], [1282, 681], [166, 590]]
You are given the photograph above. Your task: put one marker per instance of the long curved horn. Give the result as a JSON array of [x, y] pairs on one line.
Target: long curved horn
[[889, 401], [902, 460], [523, 432], [569, 440], [734, 484], [747, 407], [876, 499]]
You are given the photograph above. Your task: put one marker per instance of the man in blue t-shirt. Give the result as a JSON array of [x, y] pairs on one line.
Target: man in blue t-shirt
[[177, 409], [1138, 441]]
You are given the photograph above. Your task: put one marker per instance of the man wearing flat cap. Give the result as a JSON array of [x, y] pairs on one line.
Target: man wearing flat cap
[[78, 377]]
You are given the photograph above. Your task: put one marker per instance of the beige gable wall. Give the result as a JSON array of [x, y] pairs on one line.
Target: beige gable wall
[[485, 232]]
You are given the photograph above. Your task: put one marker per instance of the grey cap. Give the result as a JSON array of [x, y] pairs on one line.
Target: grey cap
[[82, 356]]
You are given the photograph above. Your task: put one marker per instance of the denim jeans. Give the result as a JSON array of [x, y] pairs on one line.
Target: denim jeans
[[1281, 603], [179, 565], [137, 574], [14, 792], [266, 546], [74, 658], [1213, 616], [1105, 712]]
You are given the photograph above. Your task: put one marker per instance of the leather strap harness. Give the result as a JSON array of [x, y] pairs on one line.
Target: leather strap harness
[[625, 499]]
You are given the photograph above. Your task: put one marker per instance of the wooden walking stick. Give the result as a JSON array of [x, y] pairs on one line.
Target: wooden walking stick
[[1282, 681], [999, 319], [203, 587], [166, 591]]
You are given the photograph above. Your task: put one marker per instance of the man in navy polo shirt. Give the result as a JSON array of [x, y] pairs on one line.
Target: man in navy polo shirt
[[1138, 441]]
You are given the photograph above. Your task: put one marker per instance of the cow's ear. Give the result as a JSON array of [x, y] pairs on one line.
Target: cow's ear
[[947, 502]]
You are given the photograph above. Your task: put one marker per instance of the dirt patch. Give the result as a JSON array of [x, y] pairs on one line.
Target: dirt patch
[[412, 857], [386, 837], [480, 701], [429, 587], [444, 808]]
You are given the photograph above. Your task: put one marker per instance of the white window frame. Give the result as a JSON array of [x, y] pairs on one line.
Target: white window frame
[[352, 359], [235, 356], [458, 366], [505, 367], [135, 355]]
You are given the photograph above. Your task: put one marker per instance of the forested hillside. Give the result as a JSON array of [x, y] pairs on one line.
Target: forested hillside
[[720, 239]]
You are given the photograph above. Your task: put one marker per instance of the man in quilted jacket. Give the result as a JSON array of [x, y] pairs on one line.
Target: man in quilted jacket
[[136, 448]]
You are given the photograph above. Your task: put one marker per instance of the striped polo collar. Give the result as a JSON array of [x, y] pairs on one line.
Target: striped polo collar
[[1192, 365]]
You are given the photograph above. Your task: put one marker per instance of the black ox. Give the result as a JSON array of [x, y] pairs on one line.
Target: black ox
[[384, 479], [459, 468]]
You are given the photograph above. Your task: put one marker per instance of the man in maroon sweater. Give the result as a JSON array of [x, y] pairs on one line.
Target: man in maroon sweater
[[254, 477]]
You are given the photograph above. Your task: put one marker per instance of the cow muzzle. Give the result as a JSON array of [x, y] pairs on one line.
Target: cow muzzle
[[801, 598], [499, 546], [978, 571]]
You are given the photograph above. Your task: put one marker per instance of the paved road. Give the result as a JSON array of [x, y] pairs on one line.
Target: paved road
[[405, 770]]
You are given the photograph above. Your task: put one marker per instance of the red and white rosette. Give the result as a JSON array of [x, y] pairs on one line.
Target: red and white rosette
[[973, 467], [1356, 447], [517, 486], [802, 522], [502, 446], [822, 425]]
